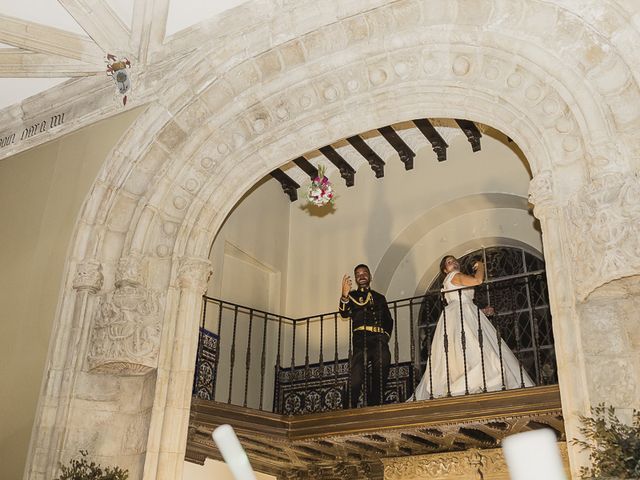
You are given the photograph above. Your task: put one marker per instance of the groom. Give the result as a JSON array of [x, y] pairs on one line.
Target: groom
[[371, 325]]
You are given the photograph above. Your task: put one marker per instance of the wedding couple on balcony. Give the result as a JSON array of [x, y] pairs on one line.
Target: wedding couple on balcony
[[457, 363]]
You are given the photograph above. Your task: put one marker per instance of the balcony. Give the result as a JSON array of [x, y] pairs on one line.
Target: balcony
[[283, 384]]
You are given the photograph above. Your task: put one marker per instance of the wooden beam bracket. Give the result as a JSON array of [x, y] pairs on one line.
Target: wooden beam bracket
[[438, 144], [289, 186], [471, 131], [404, 151], [376, 163], [307, 167], [347, 172]]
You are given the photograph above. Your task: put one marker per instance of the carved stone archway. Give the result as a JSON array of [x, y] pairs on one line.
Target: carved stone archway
[[236, 110]]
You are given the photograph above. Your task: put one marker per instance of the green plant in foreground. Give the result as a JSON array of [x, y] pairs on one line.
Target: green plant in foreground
[[82, 469], [614, 447]]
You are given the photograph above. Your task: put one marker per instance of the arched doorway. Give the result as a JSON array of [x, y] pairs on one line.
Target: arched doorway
[[232, 115]]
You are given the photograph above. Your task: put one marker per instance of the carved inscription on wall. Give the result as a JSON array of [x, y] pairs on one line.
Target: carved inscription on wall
[[36, 128]]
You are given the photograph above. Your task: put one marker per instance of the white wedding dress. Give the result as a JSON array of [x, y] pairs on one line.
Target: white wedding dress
[[435, 375]]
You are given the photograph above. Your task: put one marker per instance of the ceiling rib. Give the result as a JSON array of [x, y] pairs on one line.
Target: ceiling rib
[[18, 63], [101, 23], [42, 39]]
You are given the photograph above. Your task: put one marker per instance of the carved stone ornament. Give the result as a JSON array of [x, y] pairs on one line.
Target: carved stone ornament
[[194, 274], [470, 464], [603, 228], [88, 276], [541, 192], [125, 337]]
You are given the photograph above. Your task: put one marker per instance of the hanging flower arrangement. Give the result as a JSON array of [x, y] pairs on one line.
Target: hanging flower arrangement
[[321, 190]]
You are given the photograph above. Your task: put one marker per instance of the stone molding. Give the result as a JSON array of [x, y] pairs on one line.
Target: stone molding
[[126, 327]]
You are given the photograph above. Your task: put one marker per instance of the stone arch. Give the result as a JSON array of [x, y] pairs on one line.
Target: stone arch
[[460, 250], [230, 115], [429, 220]]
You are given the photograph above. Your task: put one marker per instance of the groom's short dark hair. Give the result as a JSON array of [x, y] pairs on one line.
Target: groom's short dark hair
[[362, 265]]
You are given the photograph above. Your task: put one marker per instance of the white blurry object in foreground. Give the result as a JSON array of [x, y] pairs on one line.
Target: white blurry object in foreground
[[533, 456], [233, 453]]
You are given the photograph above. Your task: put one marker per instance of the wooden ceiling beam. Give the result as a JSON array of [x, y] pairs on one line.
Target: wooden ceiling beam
[[289, 186], [404, 151], [376, 163], [471, 131], [438, 144], [307, 167], [347, 172]]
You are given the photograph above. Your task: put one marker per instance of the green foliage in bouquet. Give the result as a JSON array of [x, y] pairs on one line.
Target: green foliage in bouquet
[[81, 469], [614, 447]]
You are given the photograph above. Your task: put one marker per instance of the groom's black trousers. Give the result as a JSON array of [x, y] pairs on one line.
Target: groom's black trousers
[[373, 349]]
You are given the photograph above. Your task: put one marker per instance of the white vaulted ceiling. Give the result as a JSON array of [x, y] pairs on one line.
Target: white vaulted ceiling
[[46, 42]]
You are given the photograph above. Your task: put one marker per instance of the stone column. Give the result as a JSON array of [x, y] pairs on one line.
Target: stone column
[[604, 219], [566, 325], [591, 251], [168, 433], [70, 350]]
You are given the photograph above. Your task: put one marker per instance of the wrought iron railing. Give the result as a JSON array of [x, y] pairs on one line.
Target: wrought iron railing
[[257, 359]]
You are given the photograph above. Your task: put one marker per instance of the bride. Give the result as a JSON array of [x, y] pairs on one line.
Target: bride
[[457, 370]]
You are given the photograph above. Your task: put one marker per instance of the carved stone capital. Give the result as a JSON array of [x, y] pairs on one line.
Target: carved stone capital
[[88, 276], [194, 274], [602, 225], [541, 193], [130, 270]]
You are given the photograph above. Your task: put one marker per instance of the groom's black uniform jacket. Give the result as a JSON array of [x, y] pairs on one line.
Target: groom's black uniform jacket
[[367, 308]]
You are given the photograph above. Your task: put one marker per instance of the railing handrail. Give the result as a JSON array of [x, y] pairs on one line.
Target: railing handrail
[[411, 300], [255, 310]]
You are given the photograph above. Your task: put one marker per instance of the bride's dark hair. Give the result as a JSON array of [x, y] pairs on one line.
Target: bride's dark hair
[[444, 261]]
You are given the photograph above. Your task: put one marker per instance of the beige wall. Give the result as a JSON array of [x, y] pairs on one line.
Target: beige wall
[[250, 252], [249, 257], [41, 192], [213, 470], [371, 216]]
